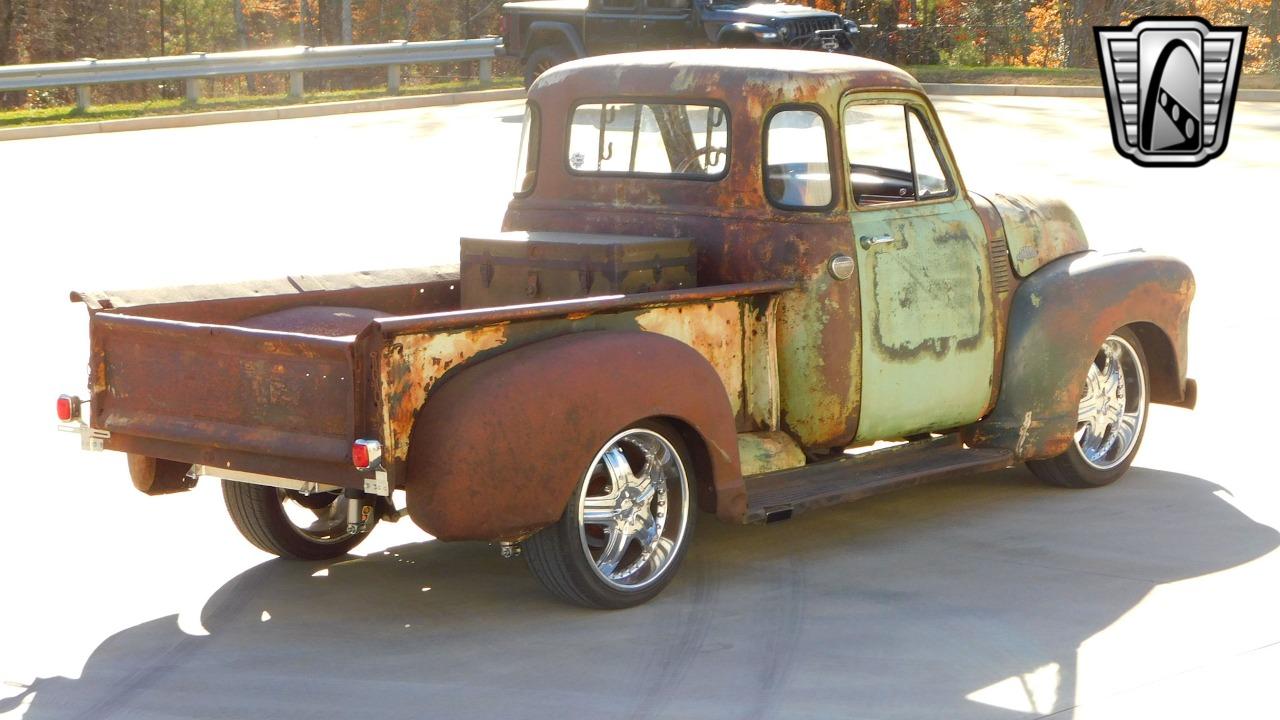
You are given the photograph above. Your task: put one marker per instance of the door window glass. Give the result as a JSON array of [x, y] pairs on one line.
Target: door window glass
[[891, 155], [931, 179]]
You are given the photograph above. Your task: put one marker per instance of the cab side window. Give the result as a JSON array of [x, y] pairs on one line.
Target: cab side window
[[892, 157], [797, 164]]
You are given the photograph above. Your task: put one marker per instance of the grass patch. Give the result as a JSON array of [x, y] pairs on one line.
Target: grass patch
[[177, 106], [1043, 76]]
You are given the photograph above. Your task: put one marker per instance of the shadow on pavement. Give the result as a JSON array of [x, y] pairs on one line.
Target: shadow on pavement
[[899, 606]]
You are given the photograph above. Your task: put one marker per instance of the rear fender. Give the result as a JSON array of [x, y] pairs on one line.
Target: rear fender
[[1060, 316], [499, 447]]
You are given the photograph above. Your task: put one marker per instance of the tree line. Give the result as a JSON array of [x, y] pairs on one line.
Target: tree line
[[1043, 33]]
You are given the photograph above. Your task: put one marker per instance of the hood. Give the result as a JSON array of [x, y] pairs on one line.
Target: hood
[[1037, 229], [767, 11]]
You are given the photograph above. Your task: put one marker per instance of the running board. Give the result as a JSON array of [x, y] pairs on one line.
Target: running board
[[777, 495]]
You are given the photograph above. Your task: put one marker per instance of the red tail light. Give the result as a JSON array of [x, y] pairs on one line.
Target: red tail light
[[68, 408], [366, 454]]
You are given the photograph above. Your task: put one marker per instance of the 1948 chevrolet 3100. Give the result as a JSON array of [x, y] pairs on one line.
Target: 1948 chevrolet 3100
[[687, 310]]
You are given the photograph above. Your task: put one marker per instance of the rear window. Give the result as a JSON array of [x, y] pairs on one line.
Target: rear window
[[797, 160], [647, 139]]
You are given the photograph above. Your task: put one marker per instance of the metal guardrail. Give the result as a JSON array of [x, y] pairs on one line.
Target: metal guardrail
[[85, 73]]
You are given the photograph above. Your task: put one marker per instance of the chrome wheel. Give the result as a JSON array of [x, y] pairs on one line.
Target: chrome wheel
[[1113, 405], [633, 509]]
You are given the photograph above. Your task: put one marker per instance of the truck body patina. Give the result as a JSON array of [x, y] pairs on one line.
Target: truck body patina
[[608, 386]]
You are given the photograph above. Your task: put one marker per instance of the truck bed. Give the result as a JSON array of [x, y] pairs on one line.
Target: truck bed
[[265, 376], [278, 379]]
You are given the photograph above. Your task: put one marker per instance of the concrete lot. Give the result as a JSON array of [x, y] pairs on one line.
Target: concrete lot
[[992, 597]]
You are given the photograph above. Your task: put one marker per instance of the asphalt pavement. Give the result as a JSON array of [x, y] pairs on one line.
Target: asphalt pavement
[[988, 597]]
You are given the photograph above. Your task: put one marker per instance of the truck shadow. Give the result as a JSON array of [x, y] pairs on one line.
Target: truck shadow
[[900, 606]]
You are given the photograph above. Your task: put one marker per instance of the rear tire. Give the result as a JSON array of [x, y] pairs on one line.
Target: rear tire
[[1112, 418], [627, 525], [543, 59], [259, 513]]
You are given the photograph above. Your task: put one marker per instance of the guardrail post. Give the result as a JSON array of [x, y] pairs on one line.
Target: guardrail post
[[393, 79], [193, 90], [486, 72], [295, 85], [82, 97]]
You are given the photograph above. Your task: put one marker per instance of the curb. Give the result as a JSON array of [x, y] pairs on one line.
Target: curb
[[1020, 90], [285, 112], [288, 112], [1085, 91]]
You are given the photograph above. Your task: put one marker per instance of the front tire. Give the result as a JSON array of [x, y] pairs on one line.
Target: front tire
[[292, 525], [627, 525], [1112, 418]]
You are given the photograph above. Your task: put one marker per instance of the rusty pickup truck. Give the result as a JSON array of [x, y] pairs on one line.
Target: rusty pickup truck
[[744, 282]]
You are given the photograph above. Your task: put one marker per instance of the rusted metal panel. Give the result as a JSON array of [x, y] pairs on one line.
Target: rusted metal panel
[[763, 452], [159, 477], [519, 267], [1060, 316], [271, 393], [763, 402], [1003, 285], [501, 445], [408, 291], [414, 362], [817, 323], [573, 309], [1038, 230], [853, 477], [198, 452], [330, 321]]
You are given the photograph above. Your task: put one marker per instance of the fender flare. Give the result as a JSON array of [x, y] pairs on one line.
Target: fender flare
[[1059, 317], [564, 29], [499, 447]]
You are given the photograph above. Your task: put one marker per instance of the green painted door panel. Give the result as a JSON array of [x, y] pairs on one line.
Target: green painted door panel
[[928, 341], [927, 320], [928, 347]]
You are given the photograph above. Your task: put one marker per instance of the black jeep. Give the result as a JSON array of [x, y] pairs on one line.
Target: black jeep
[[543, 33]]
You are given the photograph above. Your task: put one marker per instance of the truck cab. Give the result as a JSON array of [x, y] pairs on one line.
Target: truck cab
[[896, 328]]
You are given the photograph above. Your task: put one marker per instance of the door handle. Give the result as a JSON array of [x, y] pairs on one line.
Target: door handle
[[868, 242]]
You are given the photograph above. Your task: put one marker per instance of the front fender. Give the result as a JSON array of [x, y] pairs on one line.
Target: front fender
[[498, 449], [566, 32], [1059, 318]]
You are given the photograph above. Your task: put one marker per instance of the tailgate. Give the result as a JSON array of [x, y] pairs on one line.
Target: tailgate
[[261, 401]]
